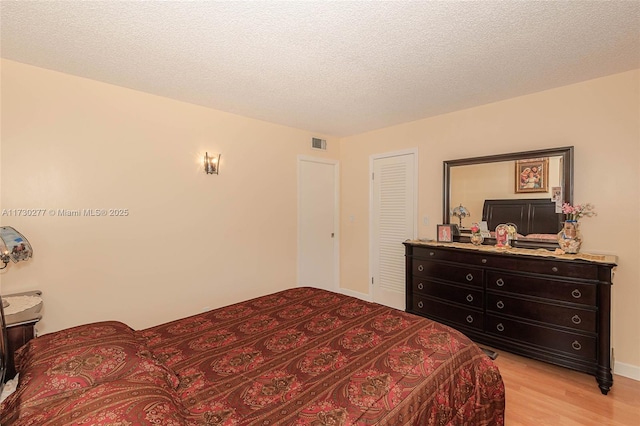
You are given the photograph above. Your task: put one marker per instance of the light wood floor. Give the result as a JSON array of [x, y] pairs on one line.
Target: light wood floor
[[538, 393]]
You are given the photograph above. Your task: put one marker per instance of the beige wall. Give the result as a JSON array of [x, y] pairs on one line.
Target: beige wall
[[193, 240], [190, 240], [601, 118]]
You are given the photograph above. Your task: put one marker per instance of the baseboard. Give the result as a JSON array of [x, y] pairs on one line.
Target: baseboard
[[627, 370], [356, 294]]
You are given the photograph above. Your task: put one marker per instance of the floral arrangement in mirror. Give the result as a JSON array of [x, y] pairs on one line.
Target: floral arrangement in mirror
[[570, 237]]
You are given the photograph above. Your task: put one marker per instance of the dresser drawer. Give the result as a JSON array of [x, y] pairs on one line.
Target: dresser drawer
[[433, 253], [450, 313], [511, 262], [566, 291], [461, 295], [460, 274], [579, 319], [571, 343], [541, 265]]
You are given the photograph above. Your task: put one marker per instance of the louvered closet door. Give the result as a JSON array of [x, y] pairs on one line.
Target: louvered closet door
[[393, 221]]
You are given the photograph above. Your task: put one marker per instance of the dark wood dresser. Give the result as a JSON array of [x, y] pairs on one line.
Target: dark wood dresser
[[530, 302]]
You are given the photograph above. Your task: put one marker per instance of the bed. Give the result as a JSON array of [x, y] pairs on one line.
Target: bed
[[535, 219], [302, 356]]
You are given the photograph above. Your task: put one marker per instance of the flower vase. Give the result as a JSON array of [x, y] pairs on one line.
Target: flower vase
[[570, 238], [476, 239]]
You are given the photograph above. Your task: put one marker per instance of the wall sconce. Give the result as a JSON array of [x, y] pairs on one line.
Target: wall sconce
[[211, 163]]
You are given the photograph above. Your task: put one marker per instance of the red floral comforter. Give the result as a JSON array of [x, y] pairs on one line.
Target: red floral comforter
[[299, 357]]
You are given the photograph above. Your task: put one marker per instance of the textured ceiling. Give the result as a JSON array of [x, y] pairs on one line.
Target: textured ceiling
[[335, 68]]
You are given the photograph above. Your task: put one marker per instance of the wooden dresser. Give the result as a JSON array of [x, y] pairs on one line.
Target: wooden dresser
[[529, 302]]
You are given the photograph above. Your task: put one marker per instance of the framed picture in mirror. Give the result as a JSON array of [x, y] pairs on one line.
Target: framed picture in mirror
[[532, 175]]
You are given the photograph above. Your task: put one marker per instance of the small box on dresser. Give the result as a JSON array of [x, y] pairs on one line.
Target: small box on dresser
[[554, 308]]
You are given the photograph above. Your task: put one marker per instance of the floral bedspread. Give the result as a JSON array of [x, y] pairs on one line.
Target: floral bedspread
[[299, 357]]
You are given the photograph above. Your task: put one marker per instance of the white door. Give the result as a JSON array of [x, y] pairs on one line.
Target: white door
[[317, 223], [393, 220]]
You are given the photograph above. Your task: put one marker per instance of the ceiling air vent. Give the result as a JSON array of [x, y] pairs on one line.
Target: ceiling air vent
[[318, 143]]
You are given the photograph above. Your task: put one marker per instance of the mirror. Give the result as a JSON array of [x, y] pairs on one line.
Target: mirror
[[516, 187]]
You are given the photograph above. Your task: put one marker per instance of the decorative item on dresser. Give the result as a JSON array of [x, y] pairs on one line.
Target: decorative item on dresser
[[554, 308], [476, 236], [569, 237], [460, 212], [446, 233]]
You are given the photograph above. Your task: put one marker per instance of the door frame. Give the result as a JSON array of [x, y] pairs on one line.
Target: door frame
[[336, 216], [372, 158]]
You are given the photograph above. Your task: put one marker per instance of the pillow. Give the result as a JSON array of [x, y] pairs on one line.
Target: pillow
[[135, 399], [9, 388], [493, 235], [82, 357], [550, 237], [50, 344]]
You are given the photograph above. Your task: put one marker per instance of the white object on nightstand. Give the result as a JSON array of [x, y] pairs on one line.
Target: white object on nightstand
[[20, 303]]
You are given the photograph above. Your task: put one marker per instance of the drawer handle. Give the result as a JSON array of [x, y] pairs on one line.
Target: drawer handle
[[576, 319], [484, 260], [576, 294], [500, 304], [500, 282], [420, 286], [420, 305], [469, 298], [431, 253], [469, 277], [500, 327], [469, 319], [554, 269], [576, 345], [420, 268]]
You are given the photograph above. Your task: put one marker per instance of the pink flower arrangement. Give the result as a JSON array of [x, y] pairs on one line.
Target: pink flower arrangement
[[475, 229], [578, 211]]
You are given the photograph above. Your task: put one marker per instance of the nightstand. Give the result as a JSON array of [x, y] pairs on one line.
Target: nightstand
[[20, 328]]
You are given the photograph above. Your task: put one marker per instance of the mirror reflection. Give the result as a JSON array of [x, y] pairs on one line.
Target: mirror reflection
[[526, 189], [472, 184]]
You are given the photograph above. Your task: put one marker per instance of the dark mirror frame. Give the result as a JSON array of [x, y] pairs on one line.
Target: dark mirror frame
[[567, 180]]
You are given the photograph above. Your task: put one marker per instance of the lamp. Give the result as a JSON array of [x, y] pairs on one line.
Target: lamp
[[13, 246], [211, 163], [460, 212]]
